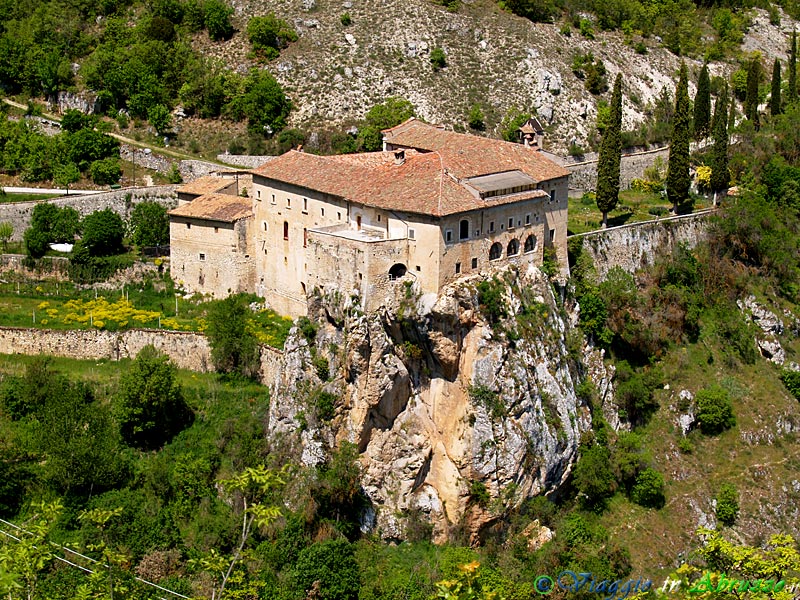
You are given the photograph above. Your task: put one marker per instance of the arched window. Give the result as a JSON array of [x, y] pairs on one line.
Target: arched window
[[513, 248], [530, 243], [397, 271], [496, 251], [286, 230], [463, 229]]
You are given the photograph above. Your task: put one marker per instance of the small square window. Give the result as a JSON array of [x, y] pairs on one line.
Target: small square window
[[216, 229], [448, 236], [491, 226], [188, 226], [411, 236], [202, 256], [418, 269], [458, 268], [477, 232], [474, 263], [502, 227], [552, 235]]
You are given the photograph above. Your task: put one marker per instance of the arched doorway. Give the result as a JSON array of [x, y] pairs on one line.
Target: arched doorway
[[397, 271], [496, 251], [513, 248]]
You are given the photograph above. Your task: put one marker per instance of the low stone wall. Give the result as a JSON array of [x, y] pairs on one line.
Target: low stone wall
[[244, 160], [637, 245], [188, 350], [120, 201]]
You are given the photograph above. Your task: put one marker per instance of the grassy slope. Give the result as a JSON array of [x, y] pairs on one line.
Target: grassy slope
[[760, 456]]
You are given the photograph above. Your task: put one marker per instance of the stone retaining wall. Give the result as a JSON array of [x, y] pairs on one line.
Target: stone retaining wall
[[637, 245], [120, 201], [583, 175], [188, 350]]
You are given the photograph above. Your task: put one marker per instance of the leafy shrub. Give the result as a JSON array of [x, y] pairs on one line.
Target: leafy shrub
[[321, 367], [149, 224], [648, 490], [727, 504], [325, 405], [791, 379], [475, 120], [489, 399], [714, 410], [308, 329], [217, 19], [106, 171], [345, 19], [234, 347], [479, 494], [102, 233], [594, 477], [269, 35], [331, 563], [438, 59], [491, 301]]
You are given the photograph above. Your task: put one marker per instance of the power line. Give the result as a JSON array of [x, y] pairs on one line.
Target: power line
[[82, 568]]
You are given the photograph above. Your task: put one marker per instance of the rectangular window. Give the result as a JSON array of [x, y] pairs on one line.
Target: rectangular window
[[527, 219], [188, 226], [458, 268], [273, 198], [552, 235], [288, 203], [491, 226], [411, 234], [202, 256], [474, 263], [511, 223], [258, 194], [322, 212], [305, 204], [477, 232], [339, 216], [552, 195], [418, 269], [379, 218], [216, 229], [448, 236]]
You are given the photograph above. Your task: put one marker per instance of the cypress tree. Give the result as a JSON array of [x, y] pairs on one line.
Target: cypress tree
[[702, 105], [792, 92], [775, 96], [678, 179], [608, 161], [732, 115], [751, 100], [719, 154]]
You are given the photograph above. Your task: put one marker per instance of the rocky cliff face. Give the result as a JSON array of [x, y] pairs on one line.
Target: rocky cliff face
[[456, 420]]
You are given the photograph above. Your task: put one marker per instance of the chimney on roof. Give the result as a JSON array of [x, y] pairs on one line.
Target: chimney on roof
[[399, 157], [300, 147]]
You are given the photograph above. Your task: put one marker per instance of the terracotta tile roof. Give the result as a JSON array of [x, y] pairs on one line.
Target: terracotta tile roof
[[470, 155], [208, 184], [216, 207], [421, 184]]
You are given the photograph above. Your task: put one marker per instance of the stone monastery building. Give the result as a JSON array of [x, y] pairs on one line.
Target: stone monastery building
[[433, 206]]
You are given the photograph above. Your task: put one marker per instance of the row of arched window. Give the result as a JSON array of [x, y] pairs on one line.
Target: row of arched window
[[512, 249]]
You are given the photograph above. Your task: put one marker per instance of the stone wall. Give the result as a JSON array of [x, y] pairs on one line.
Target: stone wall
[[188, 350], [244, 160], [120, 201], [637, 245], [583, 175]]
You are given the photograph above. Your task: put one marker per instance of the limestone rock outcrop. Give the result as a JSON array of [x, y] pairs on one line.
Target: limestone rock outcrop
[[456, 420]]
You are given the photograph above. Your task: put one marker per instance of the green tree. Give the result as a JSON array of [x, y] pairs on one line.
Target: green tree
[[714, 410], [6, 231], [594, 476], [160, 118], [217, 19], [775, 95], [264, 103], [608, 161], [751, 100], [678, 178], [476, 117], [648, 490], [106, 171], [332, 563], [269, 35], [234, 347], [149, 224], [727, 504], [66, 225], [384, 115], [702, 105], [74, 120], [791, 92], [103, 231], [150, 406], [66, 173], [39, 235]]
